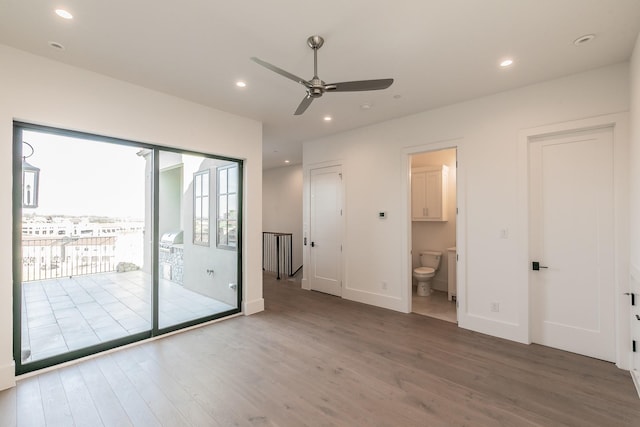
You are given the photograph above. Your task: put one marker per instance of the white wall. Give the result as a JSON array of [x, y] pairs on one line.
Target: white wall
[[42, 91], [486, 133], [282, 205], [436, 235]]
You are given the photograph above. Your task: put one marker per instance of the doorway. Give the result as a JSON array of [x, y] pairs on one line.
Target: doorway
[[433, 231], [571, 242]]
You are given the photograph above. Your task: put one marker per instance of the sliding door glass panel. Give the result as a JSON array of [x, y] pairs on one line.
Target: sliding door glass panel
[[197, 275], [85, 274]]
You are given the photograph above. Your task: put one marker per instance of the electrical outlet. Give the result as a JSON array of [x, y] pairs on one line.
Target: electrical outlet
[[495, 307]]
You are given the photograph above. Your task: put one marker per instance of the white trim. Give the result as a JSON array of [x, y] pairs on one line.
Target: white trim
[[407, 152], [7, 376], [252, 307], [372, 298], [620, 124], [635, 376]]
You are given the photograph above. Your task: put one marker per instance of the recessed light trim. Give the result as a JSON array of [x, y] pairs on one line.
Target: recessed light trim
[[240, 83], [287, 161], [584, 39], [327, 118], [365, 106], [64, 14], [506, 62]]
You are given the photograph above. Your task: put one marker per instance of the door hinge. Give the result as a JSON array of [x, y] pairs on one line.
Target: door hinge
[[457, 257], [456, 211], [340, 175], [633, 297], [340, 248], [633, 346]]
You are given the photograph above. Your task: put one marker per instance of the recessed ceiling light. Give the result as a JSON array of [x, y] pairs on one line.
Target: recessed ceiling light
[[584, 39], [366, 106], [397, 96], [327, 118], [64, 14], [56, 45], [241, 84], [287, 161], [507, 62]]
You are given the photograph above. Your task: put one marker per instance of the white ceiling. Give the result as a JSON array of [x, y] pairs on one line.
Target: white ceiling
[[438, 51]]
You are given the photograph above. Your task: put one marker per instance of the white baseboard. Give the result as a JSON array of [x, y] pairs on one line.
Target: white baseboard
[[635, 375], [7, 376], [379, 300], [253, 307]]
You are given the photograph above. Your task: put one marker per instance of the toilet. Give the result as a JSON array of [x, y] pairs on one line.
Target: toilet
[[429, 264]]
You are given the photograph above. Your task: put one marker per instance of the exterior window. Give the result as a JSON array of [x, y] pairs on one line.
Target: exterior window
[[201, 208], [227, 207]]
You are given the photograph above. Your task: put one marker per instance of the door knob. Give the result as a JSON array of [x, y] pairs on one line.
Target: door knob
[[535, 265]]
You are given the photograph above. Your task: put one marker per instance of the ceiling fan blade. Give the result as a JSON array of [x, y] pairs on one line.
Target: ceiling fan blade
[[359, 85], [281, 72], [306, 101]]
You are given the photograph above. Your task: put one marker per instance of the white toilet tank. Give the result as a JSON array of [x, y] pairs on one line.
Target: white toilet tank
[[430, 259]]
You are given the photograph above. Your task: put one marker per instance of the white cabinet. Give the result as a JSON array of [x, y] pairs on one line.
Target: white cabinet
[[429, 193]]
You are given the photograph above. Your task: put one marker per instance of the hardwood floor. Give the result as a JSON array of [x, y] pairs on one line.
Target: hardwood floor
[[317, 360]]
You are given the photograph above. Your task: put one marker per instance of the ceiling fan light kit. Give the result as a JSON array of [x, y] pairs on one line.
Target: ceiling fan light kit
[[316, 87]]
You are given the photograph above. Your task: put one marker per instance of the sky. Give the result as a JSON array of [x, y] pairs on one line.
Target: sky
[[84, 177]]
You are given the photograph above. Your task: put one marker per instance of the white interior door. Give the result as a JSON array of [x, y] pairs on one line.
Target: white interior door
[[326, 230], [571, 236]]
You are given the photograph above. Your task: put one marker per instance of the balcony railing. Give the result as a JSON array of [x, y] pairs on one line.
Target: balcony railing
[[50, 258]]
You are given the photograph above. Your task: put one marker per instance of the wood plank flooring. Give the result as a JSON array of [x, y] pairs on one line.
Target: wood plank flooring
[[316, 360]]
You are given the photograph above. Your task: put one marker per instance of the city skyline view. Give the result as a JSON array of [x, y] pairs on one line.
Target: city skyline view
[[72, 172]]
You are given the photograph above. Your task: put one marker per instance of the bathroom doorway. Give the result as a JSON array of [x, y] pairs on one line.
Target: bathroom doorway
[[433, 234]]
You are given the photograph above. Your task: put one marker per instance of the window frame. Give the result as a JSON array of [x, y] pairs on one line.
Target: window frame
[[225, 218], [198, 202]]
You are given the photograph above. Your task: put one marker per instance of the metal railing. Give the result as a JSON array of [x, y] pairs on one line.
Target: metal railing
[[50, 258], [277, 254]]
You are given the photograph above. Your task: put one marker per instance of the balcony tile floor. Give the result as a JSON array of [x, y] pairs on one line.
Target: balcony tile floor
[[60, 315]]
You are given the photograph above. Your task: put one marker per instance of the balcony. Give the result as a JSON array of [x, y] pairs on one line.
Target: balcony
[[66, 313]]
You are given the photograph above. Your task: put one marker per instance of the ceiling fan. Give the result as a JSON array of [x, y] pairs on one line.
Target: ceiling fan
[[316, 87]]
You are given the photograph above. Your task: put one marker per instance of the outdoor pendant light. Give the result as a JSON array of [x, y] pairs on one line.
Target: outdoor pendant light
[[30, 181]]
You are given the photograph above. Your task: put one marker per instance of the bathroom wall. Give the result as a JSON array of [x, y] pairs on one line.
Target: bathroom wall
[[432, 235]]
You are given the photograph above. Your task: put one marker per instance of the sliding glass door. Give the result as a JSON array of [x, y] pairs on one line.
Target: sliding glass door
[[116, 241], [198, 273]]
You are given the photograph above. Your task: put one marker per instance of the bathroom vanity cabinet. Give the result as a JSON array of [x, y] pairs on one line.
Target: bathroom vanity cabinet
[[429, 193]]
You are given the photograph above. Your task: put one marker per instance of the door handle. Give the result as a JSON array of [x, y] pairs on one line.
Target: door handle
[[638, 316], [313, 244], [535, 265]]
